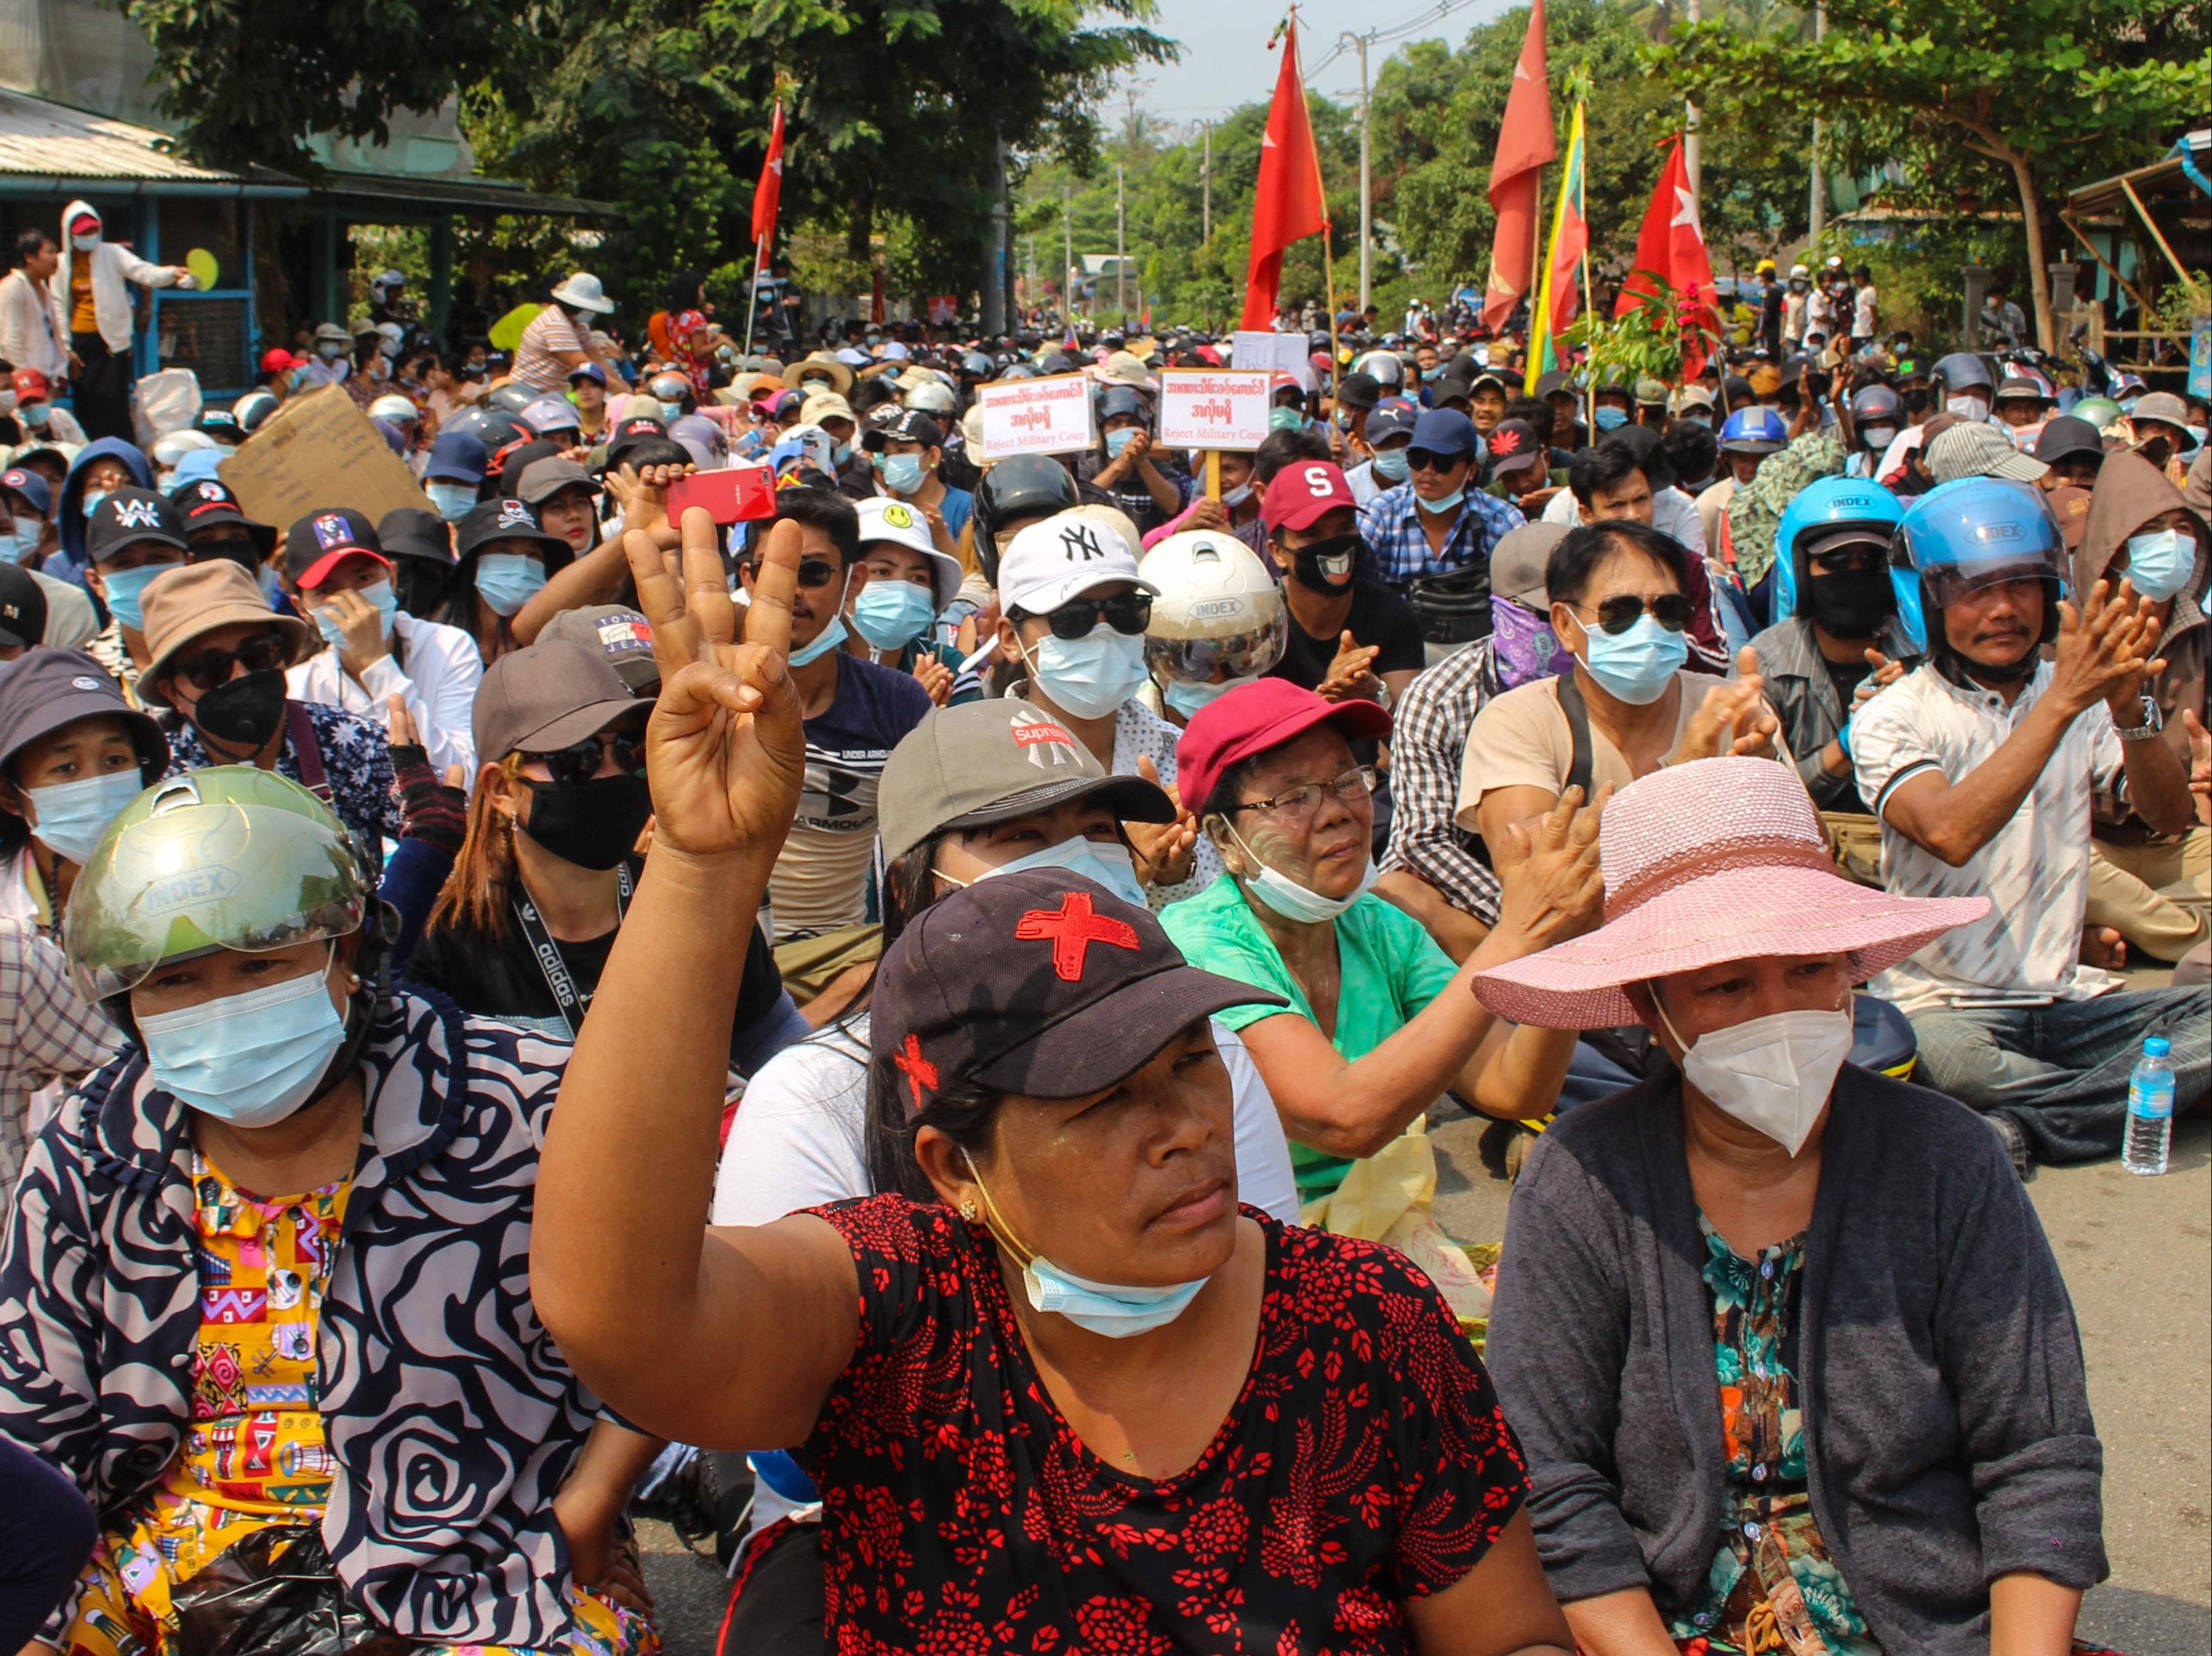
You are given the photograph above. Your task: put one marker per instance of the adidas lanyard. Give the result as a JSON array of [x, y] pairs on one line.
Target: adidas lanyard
[[572, 1005]]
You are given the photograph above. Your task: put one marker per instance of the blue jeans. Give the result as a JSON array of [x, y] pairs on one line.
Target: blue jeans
[[2059, 1073]]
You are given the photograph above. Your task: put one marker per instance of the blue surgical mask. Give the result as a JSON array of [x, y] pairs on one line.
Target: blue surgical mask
[[1091, 676], [21, 542], [1610, 418], [670, 412], [840, 453], [70, 817], [2160, 563], [1636, 666], [1441, 504], [891, 614], [453, 501], [249, 1059], [379, 593], [1117, 439], [1392, 464], [34, 415], [1291, 900], [1233, 498], [1188, 698], [901, 473], [1966, 407], [508, 580], [124, 587], [1430, 376], [824, 641], [1103, 862], [88, 502], [1285, 419], [1115, 1310]]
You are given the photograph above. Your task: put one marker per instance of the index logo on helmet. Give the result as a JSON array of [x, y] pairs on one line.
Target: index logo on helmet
[[1996, 531], [192, 886], [1217, 609], [137, 514], [1080, 540]]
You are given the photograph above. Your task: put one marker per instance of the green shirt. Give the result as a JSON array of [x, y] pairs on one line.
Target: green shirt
[[1388, 968]]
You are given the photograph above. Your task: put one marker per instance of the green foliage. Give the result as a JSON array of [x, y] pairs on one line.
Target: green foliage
[[1649, 342]]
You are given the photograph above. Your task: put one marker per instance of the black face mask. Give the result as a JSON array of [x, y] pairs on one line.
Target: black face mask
[[1853, 604], [1916, 403], [2155, 450], [592, 824], [1326, 565], [244, 712]]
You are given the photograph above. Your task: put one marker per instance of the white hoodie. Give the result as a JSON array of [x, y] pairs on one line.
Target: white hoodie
[[112, 266]]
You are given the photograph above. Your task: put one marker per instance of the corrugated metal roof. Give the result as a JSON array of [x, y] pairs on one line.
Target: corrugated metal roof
[[54, 141]]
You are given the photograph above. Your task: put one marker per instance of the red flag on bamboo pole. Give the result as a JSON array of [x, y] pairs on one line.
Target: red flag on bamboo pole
[[1525, 144], [768, 194], [1288, 205], [1671, 246]]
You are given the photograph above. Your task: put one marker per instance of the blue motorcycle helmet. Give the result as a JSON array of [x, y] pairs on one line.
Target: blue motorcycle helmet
[[1754, 431], [1973, 532], [1831, 510]]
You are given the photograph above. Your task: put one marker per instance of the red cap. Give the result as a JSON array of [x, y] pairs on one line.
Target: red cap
[[1303, 491], [1255, 717], [31, 385], [84, 223], [280, 360]]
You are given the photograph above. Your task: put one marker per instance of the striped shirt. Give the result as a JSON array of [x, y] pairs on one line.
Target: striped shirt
[[46, 1034], [535, 363], [1428, 744], [1398, 550], [2034, 869]]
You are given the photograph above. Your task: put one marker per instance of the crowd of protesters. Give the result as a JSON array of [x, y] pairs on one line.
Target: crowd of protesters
[[923, 1000]]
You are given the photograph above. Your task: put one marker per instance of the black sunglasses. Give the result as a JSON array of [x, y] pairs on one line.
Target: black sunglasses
[[1620, 612], [263, 653], [1846, 558], [1130, 612], [580, 762], [814, 573], [1422, 459]]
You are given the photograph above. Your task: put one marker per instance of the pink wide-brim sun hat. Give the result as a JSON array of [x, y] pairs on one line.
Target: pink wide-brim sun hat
[[1716, 860]]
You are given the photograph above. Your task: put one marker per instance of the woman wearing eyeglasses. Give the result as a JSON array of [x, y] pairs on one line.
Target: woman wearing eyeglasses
[[525, 921], [1379, 1022], [1628, 707], [216, 654]]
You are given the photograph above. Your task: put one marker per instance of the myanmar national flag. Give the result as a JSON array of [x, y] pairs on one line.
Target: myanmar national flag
[[1561, 297]]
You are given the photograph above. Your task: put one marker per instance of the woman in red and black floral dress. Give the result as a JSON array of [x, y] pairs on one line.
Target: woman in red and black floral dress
[[1082, 1404]]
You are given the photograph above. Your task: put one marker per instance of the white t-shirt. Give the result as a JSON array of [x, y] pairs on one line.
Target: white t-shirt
[[437, 685], [2034, 869], [798, 1140]]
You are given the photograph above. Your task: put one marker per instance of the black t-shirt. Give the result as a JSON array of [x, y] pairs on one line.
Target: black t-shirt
[[1379, 616], [1847, 676], [498, 976]]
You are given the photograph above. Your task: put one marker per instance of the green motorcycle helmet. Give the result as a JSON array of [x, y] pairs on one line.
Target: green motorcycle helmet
[[233, 856], [2101, 412]]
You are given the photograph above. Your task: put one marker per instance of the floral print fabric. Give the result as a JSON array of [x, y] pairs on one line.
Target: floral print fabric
[[1772, 1586], [1365, 1463]]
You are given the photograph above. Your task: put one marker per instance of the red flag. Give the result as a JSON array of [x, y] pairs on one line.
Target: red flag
[[1525, 144], [1672, 246], [769, 192], [1288, 204]]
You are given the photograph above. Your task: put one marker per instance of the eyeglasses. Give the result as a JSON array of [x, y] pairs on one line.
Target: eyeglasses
[[263, 653], [1845, 559], [1128, 612], [1617, 614], [1422, 459], [814, 573], [579, 762], [1355, 785]]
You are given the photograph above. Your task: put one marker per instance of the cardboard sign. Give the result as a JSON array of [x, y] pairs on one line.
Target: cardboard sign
[[1213, 407], [1046, 416], [318, 451], [1286, 351]]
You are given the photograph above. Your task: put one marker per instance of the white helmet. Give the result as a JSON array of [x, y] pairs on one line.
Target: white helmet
[[400, 411], [1385, 367], [1218, 607], [1798, 273], [931, 396]]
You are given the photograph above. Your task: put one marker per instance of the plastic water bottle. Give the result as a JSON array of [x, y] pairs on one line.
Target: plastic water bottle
[[2150, 1109]]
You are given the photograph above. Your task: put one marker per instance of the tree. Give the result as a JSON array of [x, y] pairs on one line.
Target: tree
[[2053, 91]]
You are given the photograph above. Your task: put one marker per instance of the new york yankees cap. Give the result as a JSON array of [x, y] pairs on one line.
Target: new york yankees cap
[[990, 761], [1063, 557], [1038, 983]]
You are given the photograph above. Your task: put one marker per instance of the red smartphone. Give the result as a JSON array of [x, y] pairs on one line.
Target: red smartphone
[[733, 495]]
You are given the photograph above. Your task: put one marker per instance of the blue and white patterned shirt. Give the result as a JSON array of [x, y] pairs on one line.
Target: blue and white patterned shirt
[[1398, 551], [356, 762]]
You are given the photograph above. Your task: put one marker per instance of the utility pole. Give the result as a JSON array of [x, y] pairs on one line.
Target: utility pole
[[1360, 42], [1816, 219], [995, 266], [1694, 143], [1206, 185], [1066, 255], [1120, 243]]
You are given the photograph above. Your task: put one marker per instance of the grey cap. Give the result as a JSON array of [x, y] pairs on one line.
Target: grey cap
[[989, 761], [548, 696], [1518, 562], [541, 480], [616, 632], [1974, 448]]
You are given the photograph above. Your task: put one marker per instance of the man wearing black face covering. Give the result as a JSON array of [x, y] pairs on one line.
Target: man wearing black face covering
[[1350, 639], [1844, 644], [216, 655]]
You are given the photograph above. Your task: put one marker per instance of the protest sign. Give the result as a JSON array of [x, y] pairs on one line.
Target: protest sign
[[1286, 351], [320, 451], [1213, 407], [1050, 415]]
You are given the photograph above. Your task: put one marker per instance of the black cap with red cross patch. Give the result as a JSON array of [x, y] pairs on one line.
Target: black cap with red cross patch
[[1038, 983]]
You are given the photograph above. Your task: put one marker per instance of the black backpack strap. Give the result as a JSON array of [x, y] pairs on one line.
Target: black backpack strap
[[1577, 713]]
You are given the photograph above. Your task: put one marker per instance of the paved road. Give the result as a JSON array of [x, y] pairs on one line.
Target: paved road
[[2137, 1255]]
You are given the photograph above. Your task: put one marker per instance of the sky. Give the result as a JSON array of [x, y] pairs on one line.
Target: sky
[[1226, 62]]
